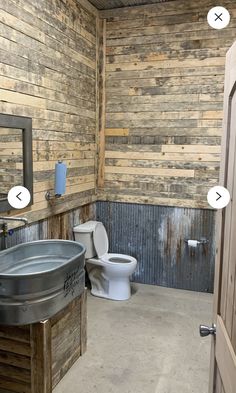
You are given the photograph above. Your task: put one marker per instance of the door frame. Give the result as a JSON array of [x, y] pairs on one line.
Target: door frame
[[229, 88]]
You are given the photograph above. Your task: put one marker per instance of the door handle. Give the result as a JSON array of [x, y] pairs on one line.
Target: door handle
[[206, 330]]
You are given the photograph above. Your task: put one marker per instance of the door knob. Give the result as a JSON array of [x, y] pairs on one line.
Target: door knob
[[206, 330]]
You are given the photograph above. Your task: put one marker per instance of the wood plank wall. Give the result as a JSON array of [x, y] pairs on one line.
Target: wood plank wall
[[59, 226], [48, 72], [9, 174], [164, 98]]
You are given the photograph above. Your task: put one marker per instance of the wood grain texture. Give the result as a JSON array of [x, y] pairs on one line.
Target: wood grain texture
[[41, 357], [83, 325], [164, 100], [104, 4], [66, 339], [102, 102], [15, 359], [34, 358], [225, 357], [48, 72]]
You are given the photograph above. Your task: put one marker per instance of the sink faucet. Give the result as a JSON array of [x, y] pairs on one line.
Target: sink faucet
[[4, 227], [23, 219]]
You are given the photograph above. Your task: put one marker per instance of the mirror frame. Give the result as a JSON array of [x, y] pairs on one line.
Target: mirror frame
[[25, 125]]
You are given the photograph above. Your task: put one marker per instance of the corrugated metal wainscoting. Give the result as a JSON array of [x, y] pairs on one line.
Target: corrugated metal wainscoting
[[59, 226], [155, 235]]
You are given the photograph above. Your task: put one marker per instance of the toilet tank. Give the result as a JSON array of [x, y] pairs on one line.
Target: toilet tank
[[84, 234]]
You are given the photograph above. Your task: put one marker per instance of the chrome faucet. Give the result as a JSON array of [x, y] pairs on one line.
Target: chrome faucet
[[4, 227], [23, 219]]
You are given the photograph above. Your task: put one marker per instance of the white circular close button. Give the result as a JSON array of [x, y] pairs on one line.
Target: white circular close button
[[218, 197], [19, 197], [218, 17]]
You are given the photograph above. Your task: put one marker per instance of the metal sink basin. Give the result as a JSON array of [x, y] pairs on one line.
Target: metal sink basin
[[38, 279]]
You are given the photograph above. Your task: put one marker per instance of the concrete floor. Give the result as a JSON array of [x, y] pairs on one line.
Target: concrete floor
[[149, 344]]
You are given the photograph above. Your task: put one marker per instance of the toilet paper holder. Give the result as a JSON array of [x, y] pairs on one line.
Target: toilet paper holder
[[49, 195], [60, 181]]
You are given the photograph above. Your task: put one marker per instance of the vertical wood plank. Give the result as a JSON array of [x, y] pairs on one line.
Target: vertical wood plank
[[66, 339], [218, 383], [102, 102], [41, 361], [97, 93], [224, 358], [222, 231], [83, 323]]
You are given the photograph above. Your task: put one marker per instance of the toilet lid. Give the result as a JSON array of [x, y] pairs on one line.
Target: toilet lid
[[100, 240]]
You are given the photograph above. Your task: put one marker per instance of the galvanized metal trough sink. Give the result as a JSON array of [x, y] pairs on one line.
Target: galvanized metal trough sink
[[38, 279]]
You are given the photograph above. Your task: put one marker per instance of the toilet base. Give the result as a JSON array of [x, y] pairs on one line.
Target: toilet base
[[113, 290]]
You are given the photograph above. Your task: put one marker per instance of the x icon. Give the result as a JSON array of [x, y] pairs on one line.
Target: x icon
[[218, 17]]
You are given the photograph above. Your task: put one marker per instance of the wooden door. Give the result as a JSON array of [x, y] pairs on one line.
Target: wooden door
[[223, 355]]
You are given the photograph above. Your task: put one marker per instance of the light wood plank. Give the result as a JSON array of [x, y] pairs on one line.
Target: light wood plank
[[225, 357], [151, 171], [117, 131]]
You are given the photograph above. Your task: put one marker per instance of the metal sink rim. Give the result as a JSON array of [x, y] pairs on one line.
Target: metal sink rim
[[57, 269]]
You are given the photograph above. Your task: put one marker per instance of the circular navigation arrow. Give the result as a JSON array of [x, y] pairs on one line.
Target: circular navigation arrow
[[19, 197], [218, 197]]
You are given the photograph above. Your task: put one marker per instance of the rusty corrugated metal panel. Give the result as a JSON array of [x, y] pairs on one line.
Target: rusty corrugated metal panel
[[59, 226], [155, 236]]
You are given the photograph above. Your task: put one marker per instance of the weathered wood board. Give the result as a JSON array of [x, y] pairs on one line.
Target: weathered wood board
[[34, 358], [164, 100], [105, 5], [48, 63]]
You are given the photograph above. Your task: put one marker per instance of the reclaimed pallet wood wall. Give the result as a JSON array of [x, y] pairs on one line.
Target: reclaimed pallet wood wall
[[48, 63], [105, 5], [159, 95], [9, 174], [164, 78]]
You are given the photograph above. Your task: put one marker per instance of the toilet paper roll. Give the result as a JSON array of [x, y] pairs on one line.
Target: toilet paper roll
[[193, 243], [60, 178]]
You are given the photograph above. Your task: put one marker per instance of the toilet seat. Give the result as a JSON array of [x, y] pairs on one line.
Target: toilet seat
[[116, 259], [101, 245], [100, 240]]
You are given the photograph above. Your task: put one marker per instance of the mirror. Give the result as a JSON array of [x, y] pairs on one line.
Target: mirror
[[16, 167], [11, 158]]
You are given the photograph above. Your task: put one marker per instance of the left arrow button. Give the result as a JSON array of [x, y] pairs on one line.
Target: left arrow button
[[18, 196]]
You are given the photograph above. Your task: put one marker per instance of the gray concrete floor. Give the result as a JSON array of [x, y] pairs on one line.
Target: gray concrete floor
[[149, 344]]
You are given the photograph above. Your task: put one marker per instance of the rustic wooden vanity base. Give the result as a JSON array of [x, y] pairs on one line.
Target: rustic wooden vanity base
[[34, 358]]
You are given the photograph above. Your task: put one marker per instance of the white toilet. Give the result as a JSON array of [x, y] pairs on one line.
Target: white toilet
[[109, 273]]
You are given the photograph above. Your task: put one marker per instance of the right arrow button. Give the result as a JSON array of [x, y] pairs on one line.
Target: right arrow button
[[218, 197]]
